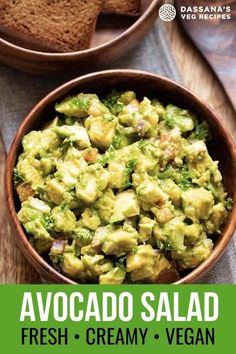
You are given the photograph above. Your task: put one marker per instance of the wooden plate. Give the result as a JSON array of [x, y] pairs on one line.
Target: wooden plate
[[114, 36]]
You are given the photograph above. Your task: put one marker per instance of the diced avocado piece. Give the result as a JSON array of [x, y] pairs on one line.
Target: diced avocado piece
[[88, 249], [196, 150], [116, 175], [216, 218], [149, 191], [72, 266], [195, 255], [163, 214], [126, 206], [83, 236], [129, 114], [65, 220], [37, 229], [174, 230], [100, 130], [159, 108], [140, 262], [55, 191], [69, 171], [90, 219], [42, 240], [197, 203], [87, 191], [127, 97], [76, 133], [114, 276], [47, 165], [27, 213], [96, 265], [115, 241], [174, 192], [31, 140], [76, 106], [178, 117], [145, 228], [163, 271], [192, 233], [91, 184], [149, 113], [30, 173], [105, 205], [39, 205], [40, 142]]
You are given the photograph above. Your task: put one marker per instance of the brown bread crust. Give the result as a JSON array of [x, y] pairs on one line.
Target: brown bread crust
[[62, 25]]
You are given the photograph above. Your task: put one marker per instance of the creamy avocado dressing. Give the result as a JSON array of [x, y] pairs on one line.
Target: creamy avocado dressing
[[120, 190]]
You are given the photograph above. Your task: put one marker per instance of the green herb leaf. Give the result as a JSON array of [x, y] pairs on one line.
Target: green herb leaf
[[129, 170], [17, 178], [66, 144], [201, 131], [121, 262], [185, 178], [116, 142], [108, 156], [164, 245], [142, 144], [49, 222], [229, 203], [108, 117], [111, 101]]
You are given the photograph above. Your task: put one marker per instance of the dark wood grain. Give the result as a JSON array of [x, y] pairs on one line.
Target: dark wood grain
[[221, 148], [216, 40], [114, 36]]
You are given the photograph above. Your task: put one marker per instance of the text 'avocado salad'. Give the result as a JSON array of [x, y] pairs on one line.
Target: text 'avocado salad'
[[120, 190]]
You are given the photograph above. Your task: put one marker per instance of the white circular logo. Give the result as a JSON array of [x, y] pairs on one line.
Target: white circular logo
[[167, 12]]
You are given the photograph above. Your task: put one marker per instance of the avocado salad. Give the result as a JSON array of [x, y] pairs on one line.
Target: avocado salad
[[120, 190]]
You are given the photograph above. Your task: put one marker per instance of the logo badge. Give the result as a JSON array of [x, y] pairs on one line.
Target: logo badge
[[167, 12]]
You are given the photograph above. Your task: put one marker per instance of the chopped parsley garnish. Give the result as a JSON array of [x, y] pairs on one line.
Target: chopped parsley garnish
[[66, 144], [112, 103], [129, 170], [17, 178], [108, 156], [170, 121], [142, 144], [65, 207], [229, 203], [164, 245], [83, 235], [117, 140], [81, 101], [134, 250], [108, 117], [121, 262], [68, 120], [49, 222], [201, 131], [185, 178]]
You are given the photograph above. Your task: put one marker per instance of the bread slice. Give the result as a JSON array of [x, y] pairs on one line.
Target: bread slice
[[61, 25], [122, 7]]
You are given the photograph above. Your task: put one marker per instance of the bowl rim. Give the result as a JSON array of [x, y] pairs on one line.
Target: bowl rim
[[155, 4], [42, 266]]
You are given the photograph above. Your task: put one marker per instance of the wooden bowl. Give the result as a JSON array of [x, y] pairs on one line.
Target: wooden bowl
[[221, 148], [114, 37]]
